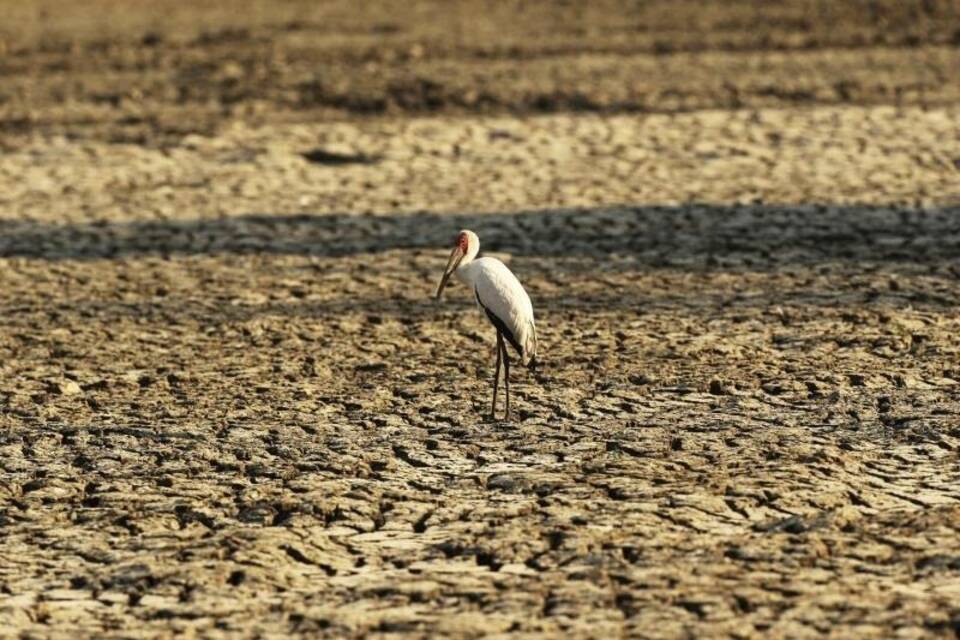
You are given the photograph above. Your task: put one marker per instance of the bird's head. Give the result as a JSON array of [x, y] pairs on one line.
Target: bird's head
[[466, 246]]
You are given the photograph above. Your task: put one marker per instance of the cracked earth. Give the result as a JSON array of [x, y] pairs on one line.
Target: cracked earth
[[229, 406]]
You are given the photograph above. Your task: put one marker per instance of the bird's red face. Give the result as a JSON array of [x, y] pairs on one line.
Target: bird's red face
[[463, 242]]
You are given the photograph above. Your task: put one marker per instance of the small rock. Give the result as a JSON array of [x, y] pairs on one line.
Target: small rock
[[856, 380], [792, 524], [508, 483], [641, 379], [846, 518], [907, 381], [66, 388], [717, 388]]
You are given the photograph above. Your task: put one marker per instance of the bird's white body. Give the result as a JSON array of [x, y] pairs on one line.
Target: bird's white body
[[500, 294]]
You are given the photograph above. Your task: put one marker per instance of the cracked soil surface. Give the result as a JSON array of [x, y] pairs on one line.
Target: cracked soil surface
[[229, 407]]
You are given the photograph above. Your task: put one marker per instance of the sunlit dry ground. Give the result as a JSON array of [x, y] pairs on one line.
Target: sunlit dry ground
[[229, 405]]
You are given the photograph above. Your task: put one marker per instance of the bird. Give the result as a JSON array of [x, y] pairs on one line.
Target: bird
[[502, 299]]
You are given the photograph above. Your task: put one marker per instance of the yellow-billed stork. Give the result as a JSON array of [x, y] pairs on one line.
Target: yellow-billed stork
[[503, 300]]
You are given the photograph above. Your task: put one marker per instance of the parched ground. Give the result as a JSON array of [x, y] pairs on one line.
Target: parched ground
[[229, 407], [151, 72]]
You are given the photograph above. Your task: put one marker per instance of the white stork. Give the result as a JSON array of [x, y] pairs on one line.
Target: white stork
[[502, 298]]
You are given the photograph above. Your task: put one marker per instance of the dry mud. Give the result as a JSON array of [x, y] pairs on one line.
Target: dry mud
[[150, 73], [228, 406]]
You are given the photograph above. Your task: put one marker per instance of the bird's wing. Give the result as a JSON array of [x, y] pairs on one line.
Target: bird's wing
[[507, 305]]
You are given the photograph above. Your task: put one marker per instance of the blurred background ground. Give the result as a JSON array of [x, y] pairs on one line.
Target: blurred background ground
[[228, 406], [150, 72]]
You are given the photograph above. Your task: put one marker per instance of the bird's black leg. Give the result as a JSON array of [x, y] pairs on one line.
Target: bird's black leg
[[496, 377], [506, 376]]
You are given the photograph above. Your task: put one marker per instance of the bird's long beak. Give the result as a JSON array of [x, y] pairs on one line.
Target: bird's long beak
[[455, 257]]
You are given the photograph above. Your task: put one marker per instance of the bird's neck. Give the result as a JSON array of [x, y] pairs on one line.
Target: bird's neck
[[465, 272]]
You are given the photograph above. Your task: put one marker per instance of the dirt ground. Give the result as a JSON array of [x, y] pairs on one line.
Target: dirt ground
[[229, 407]]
